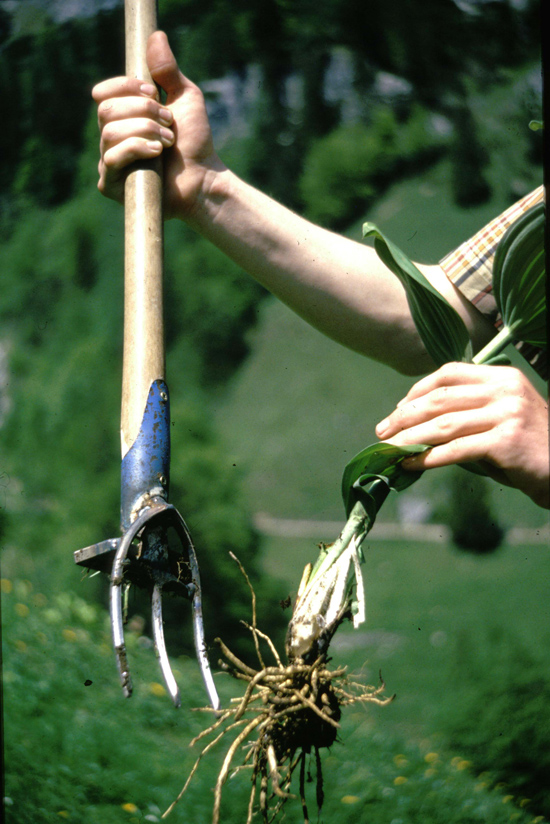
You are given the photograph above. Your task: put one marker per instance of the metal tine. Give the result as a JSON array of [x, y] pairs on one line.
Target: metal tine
[[158, 634], [200, 648], [198, 629], [117, 629], [115, 600]]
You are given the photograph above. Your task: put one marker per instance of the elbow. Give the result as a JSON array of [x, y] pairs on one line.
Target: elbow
[[411, 364]]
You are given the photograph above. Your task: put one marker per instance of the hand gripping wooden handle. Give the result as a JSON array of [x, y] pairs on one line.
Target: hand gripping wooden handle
[[143, 360]]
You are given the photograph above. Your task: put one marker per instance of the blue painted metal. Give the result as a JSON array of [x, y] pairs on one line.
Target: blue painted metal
[[145, 469]]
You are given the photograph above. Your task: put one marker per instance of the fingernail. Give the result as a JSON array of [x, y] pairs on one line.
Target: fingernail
[[154, 145], [167, 137], [401, 402], [382, 426], [148, 89], [165, 116]]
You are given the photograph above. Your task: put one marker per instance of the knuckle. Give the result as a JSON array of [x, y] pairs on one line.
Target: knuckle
[[439, 397], [517, 405], [445, 430], [108, 133], [448, 369], [104, 109], [150, 108], [134, 145]]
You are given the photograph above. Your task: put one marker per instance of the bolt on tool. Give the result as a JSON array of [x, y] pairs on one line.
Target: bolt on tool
[[155, 551]]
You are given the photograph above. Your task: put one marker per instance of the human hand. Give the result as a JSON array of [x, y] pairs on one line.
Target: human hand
[[135, 126], [469, 412]]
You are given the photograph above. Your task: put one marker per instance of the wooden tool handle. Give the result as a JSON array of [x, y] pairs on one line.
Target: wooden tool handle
[[143, 360]]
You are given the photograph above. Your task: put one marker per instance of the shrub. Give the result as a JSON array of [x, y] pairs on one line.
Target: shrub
[[344, 171], [501, 723], [473, 524]]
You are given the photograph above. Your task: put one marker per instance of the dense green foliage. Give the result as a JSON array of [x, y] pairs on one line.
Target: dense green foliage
[[473, 523], [510, 736], [94, 757]]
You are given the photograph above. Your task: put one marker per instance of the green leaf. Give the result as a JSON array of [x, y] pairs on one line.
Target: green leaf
[[441, 328], [536, 125], [519, 278], [380, 460]]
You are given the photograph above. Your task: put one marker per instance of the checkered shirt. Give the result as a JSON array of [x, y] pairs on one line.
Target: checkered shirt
[[470, 268]]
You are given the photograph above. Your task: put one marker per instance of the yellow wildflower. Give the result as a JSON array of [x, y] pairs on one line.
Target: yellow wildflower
[[130, 808], [157, 689], [22, 610], [400, 779], [349, 799]]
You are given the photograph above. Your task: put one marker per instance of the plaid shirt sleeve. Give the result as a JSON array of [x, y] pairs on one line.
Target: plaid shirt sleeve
[[470, 268]]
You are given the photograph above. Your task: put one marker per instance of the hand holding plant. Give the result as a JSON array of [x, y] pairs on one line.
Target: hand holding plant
[[471, 413], [491, 418]]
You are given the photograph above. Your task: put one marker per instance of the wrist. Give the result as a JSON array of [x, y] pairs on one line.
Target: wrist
[[213, 190]]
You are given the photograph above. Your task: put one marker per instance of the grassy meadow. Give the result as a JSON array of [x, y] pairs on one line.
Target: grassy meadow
[[438, 626]]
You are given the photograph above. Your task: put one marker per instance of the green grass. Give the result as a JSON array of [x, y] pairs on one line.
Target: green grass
[[81, 753]]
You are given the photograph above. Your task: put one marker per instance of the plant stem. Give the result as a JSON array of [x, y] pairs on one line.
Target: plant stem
[[495, 346], [354, 526]]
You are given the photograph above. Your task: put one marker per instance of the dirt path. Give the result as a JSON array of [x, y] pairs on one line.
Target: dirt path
[[434, 533]]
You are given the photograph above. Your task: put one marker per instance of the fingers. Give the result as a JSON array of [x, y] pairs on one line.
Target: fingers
[[163, 65], [122, 87], [164, 71], [445, 429], [434, 404], [122, 108], [475, 447], [142, 129], [455, 374]]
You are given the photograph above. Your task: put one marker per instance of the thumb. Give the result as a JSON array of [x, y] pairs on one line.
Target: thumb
[[163, 65]]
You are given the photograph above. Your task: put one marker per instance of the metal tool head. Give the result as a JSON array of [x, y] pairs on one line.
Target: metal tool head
[[155, 551]]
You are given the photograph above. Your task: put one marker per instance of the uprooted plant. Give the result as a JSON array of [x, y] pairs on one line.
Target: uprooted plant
[[287, 715]]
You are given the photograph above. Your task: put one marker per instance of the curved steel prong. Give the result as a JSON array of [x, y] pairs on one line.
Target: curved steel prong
[[115, 600], [198, 626], [200, 643], [158, 634], [118, 638], [194, 590]]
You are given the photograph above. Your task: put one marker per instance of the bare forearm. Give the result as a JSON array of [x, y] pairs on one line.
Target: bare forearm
[[337, 285]]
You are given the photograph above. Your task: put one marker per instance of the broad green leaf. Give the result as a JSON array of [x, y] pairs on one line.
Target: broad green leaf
[[536, 125], [519, 278], [380, 460], [441, 328]]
